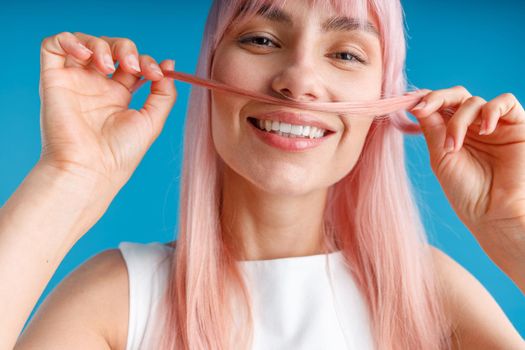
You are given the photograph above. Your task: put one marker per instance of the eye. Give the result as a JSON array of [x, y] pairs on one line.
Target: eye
[[351, 57], [257, 40]]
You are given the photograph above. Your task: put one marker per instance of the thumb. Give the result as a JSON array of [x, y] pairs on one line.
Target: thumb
[[161, 99]]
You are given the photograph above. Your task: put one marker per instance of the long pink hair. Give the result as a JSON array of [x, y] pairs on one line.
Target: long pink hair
[[371, 213]]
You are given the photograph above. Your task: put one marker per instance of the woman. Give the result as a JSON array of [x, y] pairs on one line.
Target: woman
[[259, 209]]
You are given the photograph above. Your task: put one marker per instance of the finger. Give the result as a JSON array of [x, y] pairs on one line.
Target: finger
[[458, 125], [102, 60], [72, 61], [506, 107], [427, 121], [149, 68], [125, 52], [55, 49], [160, 100], [432, 122], [440, 99]]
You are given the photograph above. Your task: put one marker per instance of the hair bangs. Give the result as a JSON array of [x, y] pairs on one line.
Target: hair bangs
[[243, 11]]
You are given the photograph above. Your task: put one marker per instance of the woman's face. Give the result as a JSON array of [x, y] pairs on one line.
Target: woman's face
[[296, 58]]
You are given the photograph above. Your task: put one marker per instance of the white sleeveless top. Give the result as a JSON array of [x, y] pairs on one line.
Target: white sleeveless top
[[295, 303]]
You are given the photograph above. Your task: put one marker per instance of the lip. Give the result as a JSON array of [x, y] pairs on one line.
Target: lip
[[295, 118], [288, 144]]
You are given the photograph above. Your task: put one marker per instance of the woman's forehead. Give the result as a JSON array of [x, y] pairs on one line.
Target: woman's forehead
[[332, 15]]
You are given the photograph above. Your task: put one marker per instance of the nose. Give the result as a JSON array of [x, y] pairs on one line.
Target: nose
[[298, 81]]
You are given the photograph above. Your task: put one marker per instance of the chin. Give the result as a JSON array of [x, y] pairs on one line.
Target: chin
[[279, 184], [276, 177]]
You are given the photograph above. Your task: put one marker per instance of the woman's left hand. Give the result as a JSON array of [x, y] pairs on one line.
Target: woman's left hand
[[484, 176]]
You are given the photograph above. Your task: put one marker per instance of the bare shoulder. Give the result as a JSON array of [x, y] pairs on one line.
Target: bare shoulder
[[87, 310], [479, 321]]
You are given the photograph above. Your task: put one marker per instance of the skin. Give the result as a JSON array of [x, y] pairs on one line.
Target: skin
[[274, 200], [86, 160], [482, 175], [87, 128]]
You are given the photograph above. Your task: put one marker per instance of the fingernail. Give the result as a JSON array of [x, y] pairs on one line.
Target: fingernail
[[108, 62], [171, 67], [449, 144], [484, 128], [83, 47], [420, 105], [133, 62], [156, 69]]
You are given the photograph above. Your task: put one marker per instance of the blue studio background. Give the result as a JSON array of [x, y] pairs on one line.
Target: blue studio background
[[475, 43]]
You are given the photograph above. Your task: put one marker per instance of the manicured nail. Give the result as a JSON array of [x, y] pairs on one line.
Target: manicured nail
[[449, 144], [133, 62], [420, 105], [156, 69], [108, 62]]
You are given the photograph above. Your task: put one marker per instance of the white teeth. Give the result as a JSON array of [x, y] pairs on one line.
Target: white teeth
[[297, 130], [306, 130], [290, 130], [285, 127], [268, 125]]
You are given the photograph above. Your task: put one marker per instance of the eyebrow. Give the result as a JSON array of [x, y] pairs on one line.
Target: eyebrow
[[339, 24]]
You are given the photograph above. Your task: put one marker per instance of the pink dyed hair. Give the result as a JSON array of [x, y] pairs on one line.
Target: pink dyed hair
[[371, 213]]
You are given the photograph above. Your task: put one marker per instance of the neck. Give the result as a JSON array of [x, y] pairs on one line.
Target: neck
[[259, 225]]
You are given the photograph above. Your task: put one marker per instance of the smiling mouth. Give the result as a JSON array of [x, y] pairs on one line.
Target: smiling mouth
[[289, 130]]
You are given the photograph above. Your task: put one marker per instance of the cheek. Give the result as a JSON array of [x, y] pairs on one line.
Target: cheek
[[223, 123], [227, 123], [226, 108], [235, 67], [360, 86], [351, 147], [228, 132], [356, 130]]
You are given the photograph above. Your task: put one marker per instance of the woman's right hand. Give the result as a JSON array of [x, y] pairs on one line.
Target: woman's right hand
[[87, 128]]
